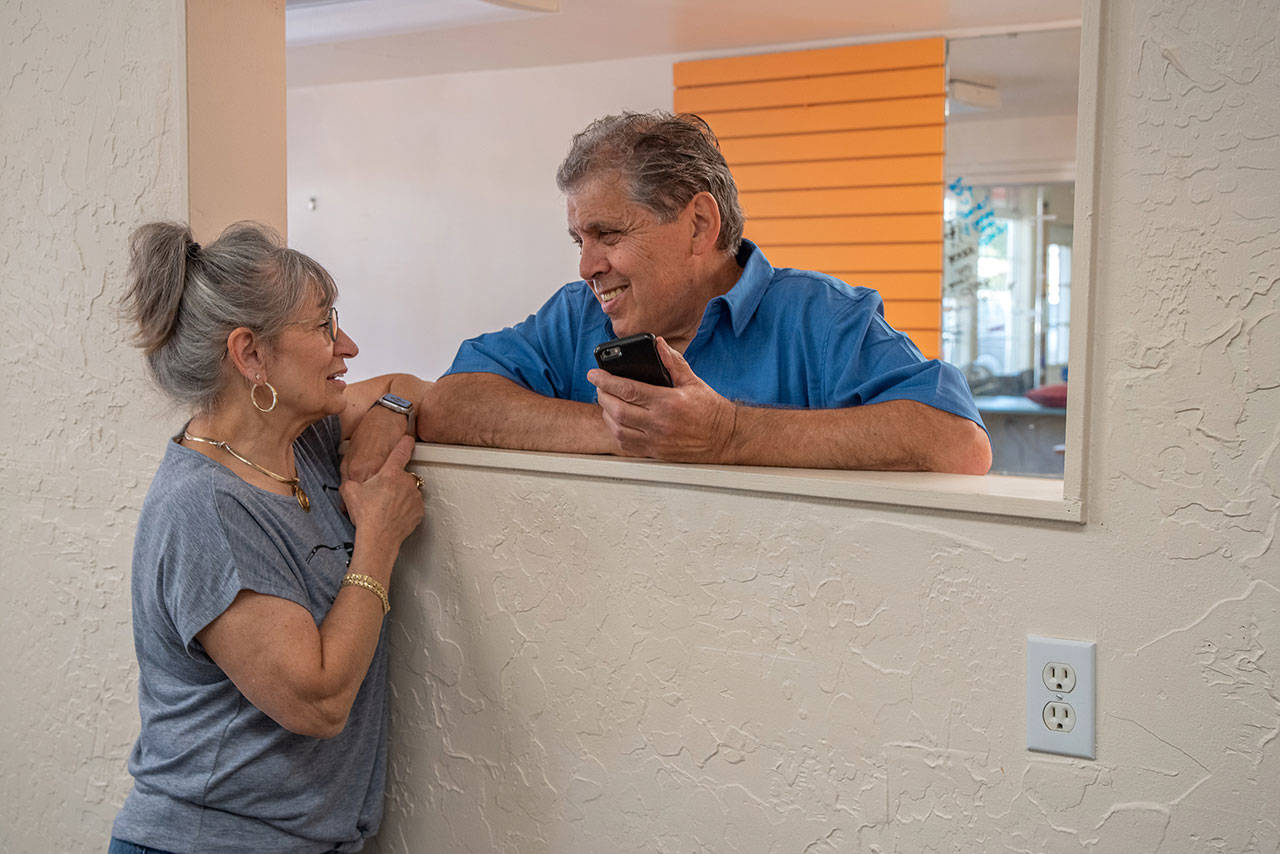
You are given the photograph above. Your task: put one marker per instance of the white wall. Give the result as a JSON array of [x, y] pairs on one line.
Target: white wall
[[1019, 150], [436, 204], [92, 103]]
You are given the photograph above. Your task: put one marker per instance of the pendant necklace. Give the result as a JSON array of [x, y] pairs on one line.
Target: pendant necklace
[[292, 482]]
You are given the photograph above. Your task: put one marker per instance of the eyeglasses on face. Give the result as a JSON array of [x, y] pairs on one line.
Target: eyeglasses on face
[[332, 324]]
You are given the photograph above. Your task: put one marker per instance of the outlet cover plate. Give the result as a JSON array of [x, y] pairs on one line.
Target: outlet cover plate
[[1080, 655]]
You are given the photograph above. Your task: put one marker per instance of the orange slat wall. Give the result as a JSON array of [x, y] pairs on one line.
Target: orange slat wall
[[838, 155]]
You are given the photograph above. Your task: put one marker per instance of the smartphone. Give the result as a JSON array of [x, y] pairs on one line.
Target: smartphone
[[634, 357]]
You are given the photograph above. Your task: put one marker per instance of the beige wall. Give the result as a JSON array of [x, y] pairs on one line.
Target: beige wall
[[235, 114], [91, 140]]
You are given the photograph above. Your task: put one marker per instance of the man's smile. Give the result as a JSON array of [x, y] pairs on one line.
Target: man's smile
[[603, 295]]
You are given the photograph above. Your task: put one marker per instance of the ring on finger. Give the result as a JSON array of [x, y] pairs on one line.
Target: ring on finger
[[417, 479]]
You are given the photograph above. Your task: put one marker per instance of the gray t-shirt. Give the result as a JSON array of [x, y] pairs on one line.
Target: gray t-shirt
[[212, 772]]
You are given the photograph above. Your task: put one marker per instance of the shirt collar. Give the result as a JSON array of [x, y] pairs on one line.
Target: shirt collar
[[742, 300]]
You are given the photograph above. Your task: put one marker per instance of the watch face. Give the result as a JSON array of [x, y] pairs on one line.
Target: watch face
[[396, 404]]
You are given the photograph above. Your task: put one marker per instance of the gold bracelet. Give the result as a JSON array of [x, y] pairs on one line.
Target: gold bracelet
[[355, 579]]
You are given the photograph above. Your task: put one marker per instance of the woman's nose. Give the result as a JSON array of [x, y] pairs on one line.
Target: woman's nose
[[345, 346]]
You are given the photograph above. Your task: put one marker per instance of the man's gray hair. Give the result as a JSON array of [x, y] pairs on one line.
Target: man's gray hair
[[184, 300], [665, 159]]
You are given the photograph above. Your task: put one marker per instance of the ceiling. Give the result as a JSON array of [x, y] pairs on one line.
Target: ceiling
[[473, 35], [1036, 73]]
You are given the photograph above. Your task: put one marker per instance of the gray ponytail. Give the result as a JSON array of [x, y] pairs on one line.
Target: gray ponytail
[[185, 300]]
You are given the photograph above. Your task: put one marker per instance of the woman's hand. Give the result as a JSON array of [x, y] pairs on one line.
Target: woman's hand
[[306, 676], [387, 506]]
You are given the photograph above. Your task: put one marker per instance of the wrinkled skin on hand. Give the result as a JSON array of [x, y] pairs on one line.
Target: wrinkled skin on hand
[[387, 504], [687, 423]]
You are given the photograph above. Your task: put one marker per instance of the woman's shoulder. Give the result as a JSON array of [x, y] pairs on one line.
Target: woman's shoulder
[[180, 516], [195, 498], [183, 474], [189, 490]]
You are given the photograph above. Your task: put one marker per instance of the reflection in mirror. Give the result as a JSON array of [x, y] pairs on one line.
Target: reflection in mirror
[[1008, 225]]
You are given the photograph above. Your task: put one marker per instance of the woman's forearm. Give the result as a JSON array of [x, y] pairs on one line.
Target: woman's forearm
[[348, 637], [362, 398]]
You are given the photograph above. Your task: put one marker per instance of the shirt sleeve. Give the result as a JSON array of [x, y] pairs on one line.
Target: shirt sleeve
[[537, 353], [868, 361], [209, 561]]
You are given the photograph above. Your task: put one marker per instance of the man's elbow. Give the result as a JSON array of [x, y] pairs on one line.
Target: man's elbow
[[967, 452]]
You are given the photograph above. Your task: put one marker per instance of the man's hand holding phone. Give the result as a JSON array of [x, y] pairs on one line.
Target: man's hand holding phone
[[635, 358], [686, 422]]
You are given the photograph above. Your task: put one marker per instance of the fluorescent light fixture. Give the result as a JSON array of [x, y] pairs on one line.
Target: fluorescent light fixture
[[328, 21], [965, 96], [529, 5]]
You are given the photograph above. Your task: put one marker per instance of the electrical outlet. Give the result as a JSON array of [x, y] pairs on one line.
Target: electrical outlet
[[1059, 678], [1059, 717], [1060, 696]]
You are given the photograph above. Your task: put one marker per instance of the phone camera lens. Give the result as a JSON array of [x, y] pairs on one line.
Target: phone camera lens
[[611, 353]]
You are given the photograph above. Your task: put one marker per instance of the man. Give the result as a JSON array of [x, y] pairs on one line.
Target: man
[[771, 367]]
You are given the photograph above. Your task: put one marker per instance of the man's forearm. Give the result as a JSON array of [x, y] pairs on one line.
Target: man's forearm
[[899, 435], [489, 410]]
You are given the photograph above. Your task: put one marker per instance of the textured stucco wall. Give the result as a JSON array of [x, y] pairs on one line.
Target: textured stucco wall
[[91, 100], [583, 666]]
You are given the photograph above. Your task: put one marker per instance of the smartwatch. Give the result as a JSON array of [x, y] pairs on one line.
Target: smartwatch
[[396, 404]]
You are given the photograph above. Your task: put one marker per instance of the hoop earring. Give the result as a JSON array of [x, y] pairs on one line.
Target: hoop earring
[[253, 396]]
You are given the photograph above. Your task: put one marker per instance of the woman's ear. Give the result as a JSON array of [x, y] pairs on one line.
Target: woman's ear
[[706, 222], [247, 354]]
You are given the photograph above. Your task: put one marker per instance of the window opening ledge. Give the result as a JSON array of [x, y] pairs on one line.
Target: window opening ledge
[[999, 495]]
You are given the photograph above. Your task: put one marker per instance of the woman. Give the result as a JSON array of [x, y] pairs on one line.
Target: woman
[[258, 600]]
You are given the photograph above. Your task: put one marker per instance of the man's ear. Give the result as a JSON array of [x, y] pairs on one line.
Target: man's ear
[[706, 223], [247, 353]]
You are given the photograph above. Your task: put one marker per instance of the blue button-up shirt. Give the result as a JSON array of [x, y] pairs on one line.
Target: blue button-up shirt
[[779, 337]]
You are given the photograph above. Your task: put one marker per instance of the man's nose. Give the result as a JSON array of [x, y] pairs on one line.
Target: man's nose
[[592, 262]]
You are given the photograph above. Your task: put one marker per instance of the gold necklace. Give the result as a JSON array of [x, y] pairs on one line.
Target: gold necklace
[[292, 482]]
